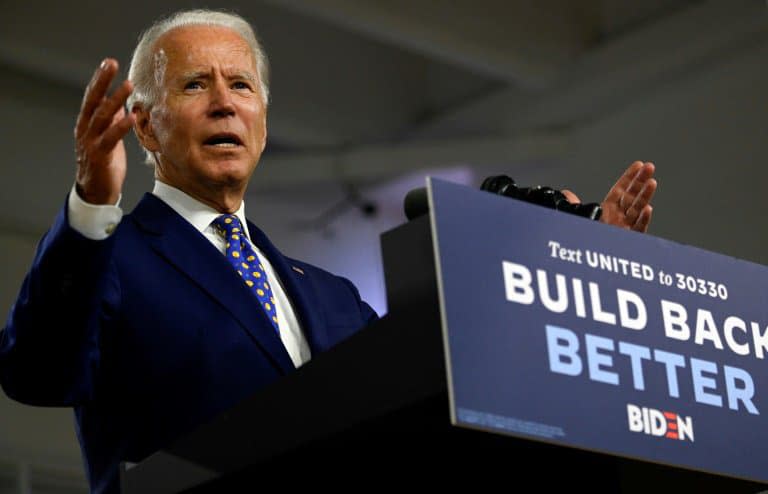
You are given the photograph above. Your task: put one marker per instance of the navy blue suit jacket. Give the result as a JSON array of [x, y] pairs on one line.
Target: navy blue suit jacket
[[151, 332]]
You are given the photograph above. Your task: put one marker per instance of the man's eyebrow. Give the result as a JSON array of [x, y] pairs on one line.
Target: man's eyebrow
[[202, 74], [198, 74], [242, 75]]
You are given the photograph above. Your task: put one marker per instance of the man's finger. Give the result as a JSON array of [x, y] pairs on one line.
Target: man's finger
[[629, 197], [107, 110], [631, 215], [632, 190], [94, 94], [638, 182], [643, 220], [571, 197], [645, 173], [645, 195], [116, 132], [623, 183]]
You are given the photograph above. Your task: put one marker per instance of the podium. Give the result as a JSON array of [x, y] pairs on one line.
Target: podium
[[373, 412]]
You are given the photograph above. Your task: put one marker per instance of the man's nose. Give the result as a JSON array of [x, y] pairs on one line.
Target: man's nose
[[221, 104]]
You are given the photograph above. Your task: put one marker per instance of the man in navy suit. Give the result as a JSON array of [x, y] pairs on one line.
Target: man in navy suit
[[141, 323]]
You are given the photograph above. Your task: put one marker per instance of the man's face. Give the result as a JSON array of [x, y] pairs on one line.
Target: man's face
[[209, 125]]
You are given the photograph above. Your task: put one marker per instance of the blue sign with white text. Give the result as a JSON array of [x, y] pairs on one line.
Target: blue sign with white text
[[573, 332]]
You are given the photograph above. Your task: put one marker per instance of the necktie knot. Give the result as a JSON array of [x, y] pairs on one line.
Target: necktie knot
[[227, 225]]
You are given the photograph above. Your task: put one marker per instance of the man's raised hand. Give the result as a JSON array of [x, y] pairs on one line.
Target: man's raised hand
[[627, 204], [99, 131]]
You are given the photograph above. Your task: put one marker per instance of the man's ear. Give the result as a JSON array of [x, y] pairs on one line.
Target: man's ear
[[144, 130], [264, 141]]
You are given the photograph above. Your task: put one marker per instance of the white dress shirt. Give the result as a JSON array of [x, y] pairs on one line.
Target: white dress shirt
[[97, 222]]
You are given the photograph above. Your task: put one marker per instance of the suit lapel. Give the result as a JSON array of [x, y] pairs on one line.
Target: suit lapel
[[180, 244], [299, 291]]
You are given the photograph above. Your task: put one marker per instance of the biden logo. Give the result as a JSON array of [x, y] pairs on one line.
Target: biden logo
[[659, 423]]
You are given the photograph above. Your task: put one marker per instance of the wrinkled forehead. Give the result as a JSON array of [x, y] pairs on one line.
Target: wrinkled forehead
[[200, 48]]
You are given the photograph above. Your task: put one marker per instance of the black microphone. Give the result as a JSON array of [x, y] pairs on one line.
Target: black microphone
[[543, 196], [416, 202]]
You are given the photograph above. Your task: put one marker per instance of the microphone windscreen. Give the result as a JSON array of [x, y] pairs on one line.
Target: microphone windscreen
[[416, 203]]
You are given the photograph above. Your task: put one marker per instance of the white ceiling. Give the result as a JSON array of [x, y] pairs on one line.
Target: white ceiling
[[368, 76], [365, 90]]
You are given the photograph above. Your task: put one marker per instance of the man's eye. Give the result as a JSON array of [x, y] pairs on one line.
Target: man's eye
[[241, 85], [193, 85]]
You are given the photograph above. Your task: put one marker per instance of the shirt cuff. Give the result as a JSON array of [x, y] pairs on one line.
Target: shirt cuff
[[93, 221]]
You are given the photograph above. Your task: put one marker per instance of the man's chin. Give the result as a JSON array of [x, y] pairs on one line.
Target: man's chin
[[230, 172]]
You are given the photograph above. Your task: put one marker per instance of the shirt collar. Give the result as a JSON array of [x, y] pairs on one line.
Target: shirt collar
[[198, 214]]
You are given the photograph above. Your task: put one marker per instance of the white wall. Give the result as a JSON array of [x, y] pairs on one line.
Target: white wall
[[707, 132]]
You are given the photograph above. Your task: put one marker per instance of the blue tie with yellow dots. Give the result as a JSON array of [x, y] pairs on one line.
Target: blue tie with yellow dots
[[245, 261]]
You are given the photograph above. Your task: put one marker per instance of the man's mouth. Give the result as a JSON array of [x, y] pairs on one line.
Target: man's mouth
[[223, 140]]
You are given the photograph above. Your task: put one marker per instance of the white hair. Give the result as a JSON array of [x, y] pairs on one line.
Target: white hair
[[147, 67]]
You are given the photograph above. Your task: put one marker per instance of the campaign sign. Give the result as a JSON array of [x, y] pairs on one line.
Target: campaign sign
[[569, 331]]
